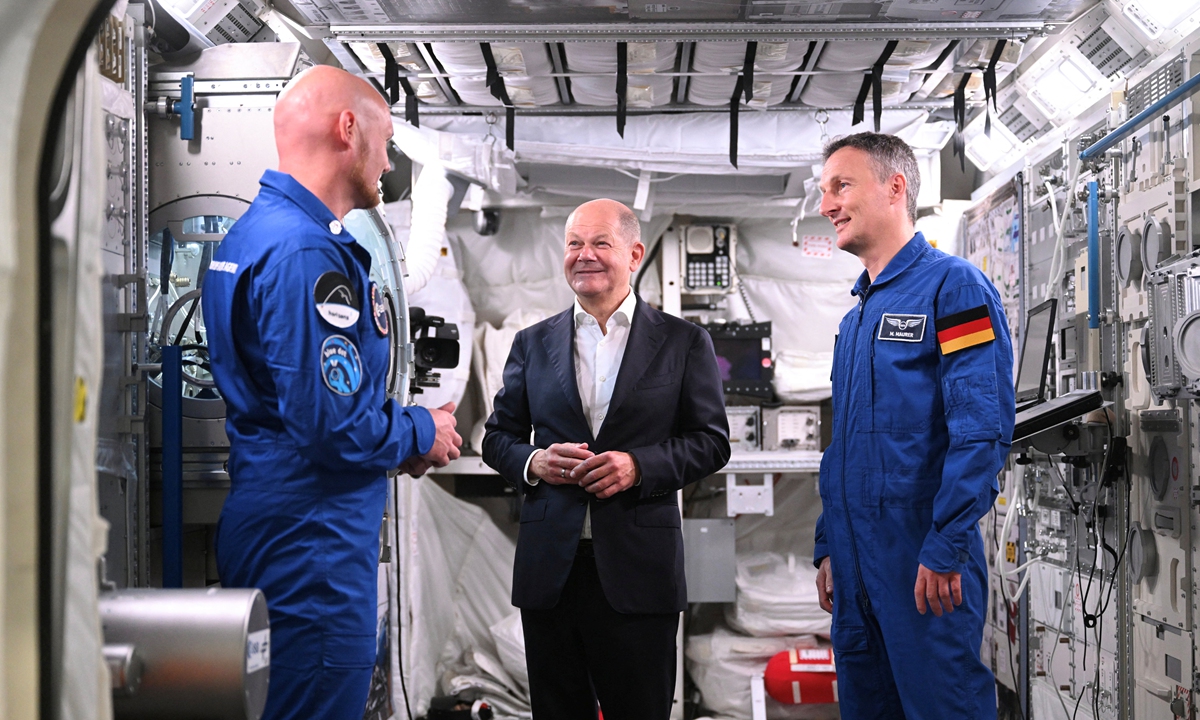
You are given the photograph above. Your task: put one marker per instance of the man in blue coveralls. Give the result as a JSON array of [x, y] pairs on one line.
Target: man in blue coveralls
[[922, 421], [298, 338]]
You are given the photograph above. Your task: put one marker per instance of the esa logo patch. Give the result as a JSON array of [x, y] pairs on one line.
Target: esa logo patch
[[902, 328], [336, 300], [379, 310], [340, 365]]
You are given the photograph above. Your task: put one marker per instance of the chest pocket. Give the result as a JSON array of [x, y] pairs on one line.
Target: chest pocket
[[905, 389]]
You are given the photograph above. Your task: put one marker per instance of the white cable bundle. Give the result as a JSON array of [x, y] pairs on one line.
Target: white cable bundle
[[1016, 501]]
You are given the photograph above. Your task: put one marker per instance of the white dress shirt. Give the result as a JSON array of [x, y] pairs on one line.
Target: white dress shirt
[[598, 356]]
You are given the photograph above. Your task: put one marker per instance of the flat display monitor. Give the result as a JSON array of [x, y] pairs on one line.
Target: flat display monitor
[[1035, 353], [744, 357]]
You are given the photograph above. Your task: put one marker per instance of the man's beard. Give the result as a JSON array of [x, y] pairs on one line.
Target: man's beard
[[366, 191]]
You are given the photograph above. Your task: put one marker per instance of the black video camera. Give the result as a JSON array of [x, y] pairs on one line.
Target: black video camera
[[435, 345]]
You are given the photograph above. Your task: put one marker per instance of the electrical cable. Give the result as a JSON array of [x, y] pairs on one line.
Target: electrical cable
[[646, 263]]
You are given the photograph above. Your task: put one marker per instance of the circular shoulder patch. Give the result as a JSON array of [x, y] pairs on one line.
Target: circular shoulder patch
[[340, 365], [379, 310], [336, 301]]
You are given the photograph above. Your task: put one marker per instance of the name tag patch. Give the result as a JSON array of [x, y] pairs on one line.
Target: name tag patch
[[336, 300], [902, 328]]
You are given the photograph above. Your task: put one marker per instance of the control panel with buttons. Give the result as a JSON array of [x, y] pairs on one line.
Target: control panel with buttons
[[709, 252]]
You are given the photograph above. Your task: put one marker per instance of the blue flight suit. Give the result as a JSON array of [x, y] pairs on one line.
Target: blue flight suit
[[923, 414], [300, 355]]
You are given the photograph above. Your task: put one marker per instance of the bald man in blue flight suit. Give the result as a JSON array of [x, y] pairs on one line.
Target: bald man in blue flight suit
[[923, 417], [299, 341]]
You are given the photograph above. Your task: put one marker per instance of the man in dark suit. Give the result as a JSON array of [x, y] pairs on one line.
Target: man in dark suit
[[625, 406]]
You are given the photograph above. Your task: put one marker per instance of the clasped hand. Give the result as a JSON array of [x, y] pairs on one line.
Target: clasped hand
[[603, 475]]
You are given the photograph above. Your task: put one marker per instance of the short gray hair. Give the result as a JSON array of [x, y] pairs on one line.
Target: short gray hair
[[890, 155], [627, 222], [631, 229]]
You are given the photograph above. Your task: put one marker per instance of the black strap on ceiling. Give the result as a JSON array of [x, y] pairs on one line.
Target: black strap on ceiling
[[392, 82], [743, 86], [496, 86], [960, 119], [622, 85], [873, 83], [410, 103], [391, 74], [734, 104], [803, 66], [748, 70], [989, 86]]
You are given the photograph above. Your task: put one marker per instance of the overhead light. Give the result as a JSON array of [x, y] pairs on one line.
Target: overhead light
[[1154, 17], [985, 150], [1060, 87], [1062, 83]]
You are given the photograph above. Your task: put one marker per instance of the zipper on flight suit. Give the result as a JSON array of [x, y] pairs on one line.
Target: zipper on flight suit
[[865, 603]]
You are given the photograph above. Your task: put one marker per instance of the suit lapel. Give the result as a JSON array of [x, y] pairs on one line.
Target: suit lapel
[[560, 347], [645, 338]]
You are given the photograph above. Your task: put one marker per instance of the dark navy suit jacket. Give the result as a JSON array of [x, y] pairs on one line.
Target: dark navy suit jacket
[[667, 411]]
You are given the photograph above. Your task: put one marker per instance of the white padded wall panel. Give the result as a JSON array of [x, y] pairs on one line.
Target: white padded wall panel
[[861, 55], [730, 56], [602, 57], [514, 59], [522, 91], [840, 91], [711, 91], [643, 90]]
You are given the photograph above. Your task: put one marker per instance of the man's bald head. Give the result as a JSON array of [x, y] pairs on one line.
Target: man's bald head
[[331, 131], [629, 229], [307, 111]]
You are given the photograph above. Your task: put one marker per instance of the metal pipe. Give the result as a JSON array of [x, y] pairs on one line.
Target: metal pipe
[[1178, 94], [1093, 254], [172, 466]]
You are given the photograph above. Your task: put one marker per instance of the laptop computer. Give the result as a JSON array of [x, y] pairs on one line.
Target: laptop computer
[[1035, 355], [1034, 412]]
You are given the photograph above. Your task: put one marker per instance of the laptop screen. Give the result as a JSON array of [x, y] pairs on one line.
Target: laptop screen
[[1035, 353]]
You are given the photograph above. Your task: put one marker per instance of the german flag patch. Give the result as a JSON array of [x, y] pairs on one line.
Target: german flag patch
[[964, 329]]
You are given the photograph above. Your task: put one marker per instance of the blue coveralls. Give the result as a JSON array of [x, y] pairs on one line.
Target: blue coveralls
[[300, 355], [920, 432]]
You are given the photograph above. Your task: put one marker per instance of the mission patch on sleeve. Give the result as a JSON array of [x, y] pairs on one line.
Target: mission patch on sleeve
[[964, 329]]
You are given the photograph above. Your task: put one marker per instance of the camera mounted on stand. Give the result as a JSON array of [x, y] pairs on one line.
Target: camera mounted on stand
[[435, 346]]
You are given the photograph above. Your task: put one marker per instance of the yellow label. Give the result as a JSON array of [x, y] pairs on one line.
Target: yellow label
[[80, 399], [1010, 552], [1001, 500]]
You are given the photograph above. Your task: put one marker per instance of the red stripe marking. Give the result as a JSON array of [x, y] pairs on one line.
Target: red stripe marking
[[965, 329]]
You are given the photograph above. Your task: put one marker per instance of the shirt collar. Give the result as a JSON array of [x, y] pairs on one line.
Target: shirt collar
[[302, 197], [908, 254], [623, 314]]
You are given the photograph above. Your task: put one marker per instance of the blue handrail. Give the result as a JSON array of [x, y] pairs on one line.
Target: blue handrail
[[1145, 116], [1093, 254]]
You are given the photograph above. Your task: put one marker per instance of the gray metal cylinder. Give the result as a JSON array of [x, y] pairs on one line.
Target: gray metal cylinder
[[201, 653]]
